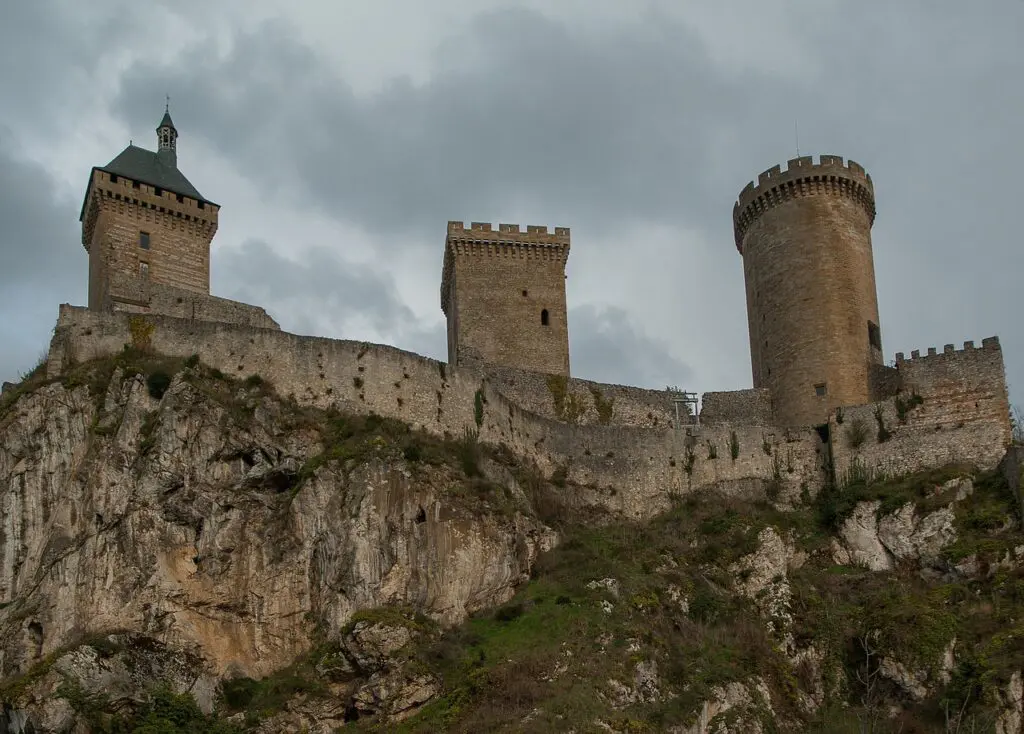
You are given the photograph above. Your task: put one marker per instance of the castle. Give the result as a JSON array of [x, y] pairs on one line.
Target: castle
[[819, 378]]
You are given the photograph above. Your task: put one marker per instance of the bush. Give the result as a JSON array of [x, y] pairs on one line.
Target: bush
[[856, 433], [157, 384]]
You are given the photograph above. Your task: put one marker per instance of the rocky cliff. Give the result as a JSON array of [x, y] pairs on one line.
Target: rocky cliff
[[180, 551]]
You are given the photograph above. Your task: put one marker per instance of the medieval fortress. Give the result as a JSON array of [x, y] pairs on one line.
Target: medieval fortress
[[823, 402]]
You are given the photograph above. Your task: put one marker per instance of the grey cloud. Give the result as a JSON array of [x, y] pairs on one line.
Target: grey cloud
[[599, 129], [322, 294], [606, 346], [41, 262]]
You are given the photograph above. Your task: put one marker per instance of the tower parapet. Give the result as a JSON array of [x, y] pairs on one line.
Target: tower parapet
[[802, 177], [503, 293]]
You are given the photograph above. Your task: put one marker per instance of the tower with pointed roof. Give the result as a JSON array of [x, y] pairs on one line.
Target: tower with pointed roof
[[145, 225]]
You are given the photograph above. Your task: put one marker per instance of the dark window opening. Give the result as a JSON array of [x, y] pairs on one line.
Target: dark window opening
[[821, 390], [113, 178], [158, 191], [202, 205], [181, 198], [135, 184], [874, 335], [524, 294], [544, 317], [144, 240]]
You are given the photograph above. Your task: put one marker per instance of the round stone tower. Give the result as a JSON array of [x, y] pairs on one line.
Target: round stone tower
[[805, 237]]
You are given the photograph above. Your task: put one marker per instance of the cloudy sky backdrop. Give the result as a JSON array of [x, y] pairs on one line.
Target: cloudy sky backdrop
[[340, 137]]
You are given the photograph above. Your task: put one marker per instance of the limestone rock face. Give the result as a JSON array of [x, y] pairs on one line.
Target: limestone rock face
[[904, 535], [185, 519], [1011, 720], [735, 708]]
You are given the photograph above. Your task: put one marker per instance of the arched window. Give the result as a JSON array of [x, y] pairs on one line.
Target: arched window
[[544, 317]]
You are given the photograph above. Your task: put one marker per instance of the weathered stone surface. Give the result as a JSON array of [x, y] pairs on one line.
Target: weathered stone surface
[[370, 644], [861, 546], [909, 536], [159, 522], [1011, 698], [735, 708]]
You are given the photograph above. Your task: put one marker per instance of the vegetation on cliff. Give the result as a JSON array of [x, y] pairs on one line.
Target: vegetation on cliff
[[732, 609]]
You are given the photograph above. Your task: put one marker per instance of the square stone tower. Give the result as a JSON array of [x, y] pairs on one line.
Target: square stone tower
[[504, 295], [144, 225]]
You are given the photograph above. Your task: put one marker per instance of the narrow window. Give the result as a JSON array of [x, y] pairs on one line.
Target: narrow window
[[544, 317], [524, 294], [820, 390], [158, 191], [144, 270], [144, 240], [874, 335]]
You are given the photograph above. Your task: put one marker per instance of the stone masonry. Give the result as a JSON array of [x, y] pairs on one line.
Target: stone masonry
[[812, 312], [503, 293], [118, 213], [148, 233]]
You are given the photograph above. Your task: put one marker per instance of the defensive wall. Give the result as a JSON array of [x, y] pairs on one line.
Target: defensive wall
[[737, 406], [952, 407], [630, 469], [136, 295], [585, 402]]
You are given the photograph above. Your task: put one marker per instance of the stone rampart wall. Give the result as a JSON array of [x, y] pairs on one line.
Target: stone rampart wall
[[628, 469], [134, 295], [958, 386], [953, 407], [737, 406], [584, 401]]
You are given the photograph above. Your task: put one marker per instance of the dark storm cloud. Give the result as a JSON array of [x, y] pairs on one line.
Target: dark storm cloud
[[322, 294], [608, 347], [579, 127], [40, 265]]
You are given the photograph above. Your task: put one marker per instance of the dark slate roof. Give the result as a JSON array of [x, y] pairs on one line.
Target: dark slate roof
[[166, 122], [147, 167]]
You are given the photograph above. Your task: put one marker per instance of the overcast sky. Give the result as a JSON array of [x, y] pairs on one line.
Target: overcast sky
[[340, 137]]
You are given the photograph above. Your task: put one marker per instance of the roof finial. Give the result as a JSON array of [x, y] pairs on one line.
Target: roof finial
[[167, 104]]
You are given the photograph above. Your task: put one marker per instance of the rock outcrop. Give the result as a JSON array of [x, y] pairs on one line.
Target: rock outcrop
[[212, 517]]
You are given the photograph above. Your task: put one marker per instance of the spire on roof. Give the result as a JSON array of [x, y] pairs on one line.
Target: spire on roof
[[167, 138]]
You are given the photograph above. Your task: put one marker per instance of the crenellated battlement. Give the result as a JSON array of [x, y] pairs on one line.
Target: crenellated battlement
[[989, 344], [485, 232], [507, 241], [802, 177]]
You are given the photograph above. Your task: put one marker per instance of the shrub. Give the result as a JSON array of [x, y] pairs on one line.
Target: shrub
[[157, 383], [883, 432], [478, 408], [469, 452], [734, 445], [856, 433]]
